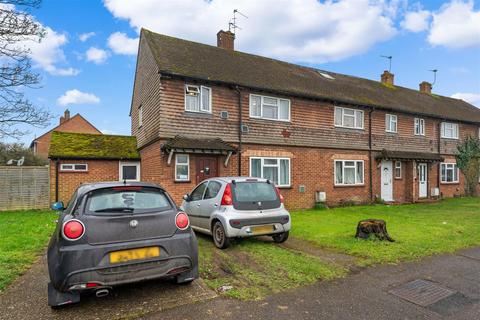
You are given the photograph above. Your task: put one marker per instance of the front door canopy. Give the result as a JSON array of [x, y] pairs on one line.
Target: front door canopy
[[213, 146], [408, 156]]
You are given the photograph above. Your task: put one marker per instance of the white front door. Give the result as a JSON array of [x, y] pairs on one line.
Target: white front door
[[387, 181], [422, 180]]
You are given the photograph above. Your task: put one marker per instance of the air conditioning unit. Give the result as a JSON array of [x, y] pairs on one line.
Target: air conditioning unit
[[435, 192], [320, 196], [224, 114], [245, 128]]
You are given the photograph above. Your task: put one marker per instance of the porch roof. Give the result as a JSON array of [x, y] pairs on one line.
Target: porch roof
[[408, 156], [198, 145]]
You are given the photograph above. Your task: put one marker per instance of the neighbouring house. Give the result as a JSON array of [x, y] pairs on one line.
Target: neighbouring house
[[77, 158], [77, 123], [199, 111]]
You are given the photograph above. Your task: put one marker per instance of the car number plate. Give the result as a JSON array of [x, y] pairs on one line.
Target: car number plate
[[134, 254], [262, 229]]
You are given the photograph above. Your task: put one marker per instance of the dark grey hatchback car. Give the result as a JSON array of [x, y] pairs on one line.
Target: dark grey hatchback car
[[114, 233]]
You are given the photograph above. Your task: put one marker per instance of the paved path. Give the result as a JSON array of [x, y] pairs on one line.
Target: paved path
[[27, 299], [362, 295]]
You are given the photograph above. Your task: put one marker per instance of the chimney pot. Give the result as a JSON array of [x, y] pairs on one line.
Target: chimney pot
[[387, 78], [425, 87], [67, 114], [225, 40], [62, 119]]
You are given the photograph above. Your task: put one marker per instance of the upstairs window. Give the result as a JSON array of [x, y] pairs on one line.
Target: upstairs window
[[269, 108], [449, 130], [198, 99], [391, 123], [449, 172], [348, 118], [419, 127], [348, 172]]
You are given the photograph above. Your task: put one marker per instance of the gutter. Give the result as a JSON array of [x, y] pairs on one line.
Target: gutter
[[240, 124]]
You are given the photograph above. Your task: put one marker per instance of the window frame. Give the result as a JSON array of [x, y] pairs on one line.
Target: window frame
[[457, 173], [342, 110], [200, 100], [398, 166], [343, 184], [140, 116], [73, 167], [121, 164], [183, 164], [388, 123], [455, 127], [262, 160], [420, 123], [262, 97]]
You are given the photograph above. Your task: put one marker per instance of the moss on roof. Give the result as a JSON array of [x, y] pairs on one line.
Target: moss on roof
[[67, 145]]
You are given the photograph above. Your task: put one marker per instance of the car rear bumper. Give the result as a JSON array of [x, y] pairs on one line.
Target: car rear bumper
[[246, 227]]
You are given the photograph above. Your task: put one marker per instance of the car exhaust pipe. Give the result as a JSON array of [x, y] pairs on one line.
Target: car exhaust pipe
[[100, 293]]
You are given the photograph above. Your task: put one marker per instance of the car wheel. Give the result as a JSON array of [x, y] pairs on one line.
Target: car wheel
[[280, 237], [220, 238]]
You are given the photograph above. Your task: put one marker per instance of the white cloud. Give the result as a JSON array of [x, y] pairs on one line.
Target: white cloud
[[473, 98], [120, 43], [85, 36], [47, 53], [295, 30], [96, 55], [416, 21], [77, 97], [456, 25]]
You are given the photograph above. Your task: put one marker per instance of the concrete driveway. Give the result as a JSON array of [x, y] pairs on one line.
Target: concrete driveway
[[26, 299]]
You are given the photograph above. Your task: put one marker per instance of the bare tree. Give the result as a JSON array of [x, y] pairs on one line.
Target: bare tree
[[17, 28]]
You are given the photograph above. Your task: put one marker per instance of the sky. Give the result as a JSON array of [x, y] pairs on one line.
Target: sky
[[87, 59]]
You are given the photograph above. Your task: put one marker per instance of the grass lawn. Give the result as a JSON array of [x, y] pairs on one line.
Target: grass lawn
[[23, 235], [419, 229]]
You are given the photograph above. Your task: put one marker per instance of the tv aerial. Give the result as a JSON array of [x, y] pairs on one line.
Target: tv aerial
[[389, 62], [232, 24], [434, 75]]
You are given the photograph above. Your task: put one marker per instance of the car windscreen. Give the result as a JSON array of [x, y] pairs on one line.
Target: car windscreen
[[254, 195], [126, 200]]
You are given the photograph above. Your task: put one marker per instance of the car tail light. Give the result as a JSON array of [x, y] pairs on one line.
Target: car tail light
[[73, 229], [227, 196], [92, 285], [181, 220], [280, 195]]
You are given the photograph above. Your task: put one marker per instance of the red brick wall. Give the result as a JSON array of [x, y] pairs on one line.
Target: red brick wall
[[98, 170]]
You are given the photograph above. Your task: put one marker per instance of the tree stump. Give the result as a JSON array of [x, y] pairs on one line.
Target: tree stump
[[373, 226]]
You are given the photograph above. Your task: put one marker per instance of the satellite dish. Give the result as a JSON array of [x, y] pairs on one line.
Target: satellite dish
[[21, 161], [10, 162]]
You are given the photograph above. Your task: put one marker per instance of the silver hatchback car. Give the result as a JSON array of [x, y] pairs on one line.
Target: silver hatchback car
[[231, 207]]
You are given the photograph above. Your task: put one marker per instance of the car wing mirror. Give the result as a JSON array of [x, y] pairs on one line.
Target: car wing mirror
[[58, 206], [186, 197]]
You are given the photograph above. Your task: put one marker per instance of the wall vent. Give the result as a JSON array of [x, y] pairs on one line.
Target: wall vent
[[224, 114], [245, 128]]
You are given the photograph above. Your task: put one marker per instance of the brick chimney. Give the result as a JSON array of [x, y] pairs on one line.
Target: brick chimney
[[425, 87], [225, 40], [65, 117], [387, 78]]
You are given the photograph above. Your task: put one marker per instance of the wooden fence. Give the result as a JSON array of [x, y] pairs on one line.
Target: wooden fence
[[24, 188]]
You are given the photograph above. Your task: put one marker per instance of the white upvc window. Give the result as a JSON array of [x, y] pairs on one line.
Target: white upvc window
[[270, 108], [391, 123], [449, 130], [78, 167], [398, 169], [198, 98], [129, 171], [273, 169], [349, 172], [182, 167], [449, 173], [140, 116], [348, 118], [419, 127]]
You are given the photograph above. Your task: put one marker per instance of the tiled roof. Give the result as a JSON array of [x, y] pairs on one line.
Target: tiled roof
[[177, 57], [180, 143], [406, 156]]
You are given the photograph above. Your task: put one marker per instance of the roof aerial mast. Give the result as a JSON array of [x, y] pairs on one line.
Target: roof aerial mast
[[232, 24], [389, 62], [434, 75]]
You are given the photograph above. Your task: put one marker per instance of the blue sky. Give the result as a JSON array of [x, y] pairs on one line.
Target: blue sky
[[87, 60]]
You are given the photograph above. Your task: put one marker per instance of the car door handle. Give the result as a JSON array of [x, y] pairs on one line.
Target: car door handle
[[215, 205], [198, 204]]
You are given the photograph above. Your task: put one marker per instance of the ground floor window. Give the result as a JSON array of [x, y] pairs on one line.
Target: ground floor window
[[182, 167], [74, 167], [398, 169], [129, 171], [449, 172], [273, 169], [349, 172]]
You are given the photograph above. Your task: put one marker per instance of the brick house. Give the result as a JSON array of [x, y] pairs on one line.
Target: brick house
[[77, 123], [199, 111], [77, 158]]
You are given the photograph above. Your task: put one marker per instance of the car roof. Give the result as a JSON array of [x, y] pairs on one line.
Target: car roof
[[87, 187]]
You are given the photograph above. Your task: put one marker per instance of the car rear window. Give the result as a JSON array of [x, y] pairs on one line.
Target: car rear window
[[254, 196], [126, 200]]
